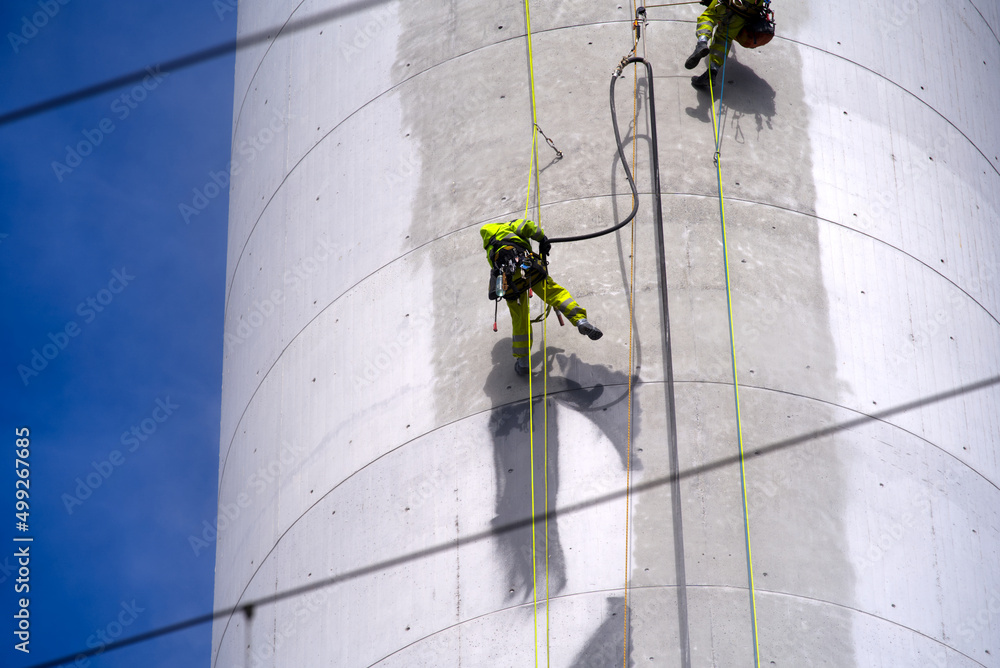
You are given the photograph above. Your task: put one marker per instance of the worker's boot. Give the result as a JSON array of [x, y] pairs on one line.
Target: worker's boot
[[586, 327], [521, 367], [700, 51], [701, 81]]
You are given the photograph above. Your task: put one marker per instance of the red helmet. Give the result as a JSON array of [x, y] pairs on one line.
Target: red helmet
[[757, 32], [751, 39]]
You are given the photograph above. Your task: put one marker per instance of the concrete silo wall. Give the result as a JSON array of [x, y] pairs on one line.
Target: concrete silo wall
[[370, 412]]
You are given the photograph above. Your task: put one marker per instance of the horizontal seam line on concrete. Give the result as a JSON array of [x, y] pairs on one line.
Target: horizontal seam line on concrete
[[947, 120], [893, 425], [517, 37], [654, 587], [492, 408], [732, 588], [260, 63], [553, 203], [988, 26], [872, 615], [845, 226], [529, 604], [388, 90], [385, 454]]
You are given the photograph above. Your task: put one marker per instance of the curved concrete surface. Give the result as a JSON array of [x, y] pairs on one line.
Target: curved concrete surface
[[371, 416]]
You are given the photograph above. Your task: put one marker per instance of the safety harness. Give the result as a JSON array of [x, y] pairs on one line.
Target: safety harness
[[515, 267]]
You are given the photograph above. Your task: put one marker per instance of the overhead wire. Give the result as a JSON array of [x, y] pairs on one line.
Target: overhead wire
[[717, 131], [225, 48]]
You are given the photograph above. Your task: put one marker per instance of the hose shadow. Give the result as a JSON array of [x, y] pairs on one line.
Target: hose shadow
[[645, 100], [624, 259]]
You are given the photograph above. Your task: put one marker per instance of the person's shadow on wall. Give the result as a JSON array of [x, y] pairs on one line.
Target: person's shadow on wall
[[744, 94], [596, 391]]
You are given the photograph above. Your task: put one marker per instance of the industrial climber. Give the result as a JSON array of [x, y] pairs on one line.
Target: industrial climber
[[515, 269], [717, 27]]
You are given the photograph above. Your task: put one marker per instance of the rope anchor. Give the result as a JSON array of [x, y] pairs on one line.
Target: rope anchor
[[551, 143]]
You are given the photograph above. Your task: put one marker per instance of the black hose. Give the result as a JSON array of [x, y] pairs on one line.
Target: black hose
[[621, 155], [668, 365]]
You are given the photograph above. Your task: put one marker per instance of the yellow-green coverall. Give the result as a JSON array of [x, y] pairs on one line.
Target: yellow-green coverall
[[729, 24], [518, 232]]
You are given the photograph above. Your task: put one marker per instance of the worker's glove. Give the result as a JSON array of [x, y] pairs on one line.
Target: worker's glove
[[544, 246]]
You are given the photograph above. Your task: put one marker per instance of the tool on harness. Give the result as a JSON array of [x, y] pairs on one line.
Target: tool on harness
[[759, 28], [515, 267], [515, 270]]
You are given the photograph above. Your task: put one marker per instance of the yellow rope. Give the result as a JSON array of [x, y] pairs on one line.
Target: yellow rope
[[533, 165], [736, 384]]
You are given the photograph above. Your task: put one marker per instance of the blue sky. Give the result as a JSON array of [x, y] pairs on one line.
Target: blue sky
[[122, 300]]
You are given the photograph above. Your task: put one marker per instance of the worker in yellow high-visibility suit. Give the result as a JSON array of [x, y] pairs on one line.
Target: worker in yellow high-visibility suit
[[502, 240], [717, 27]]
